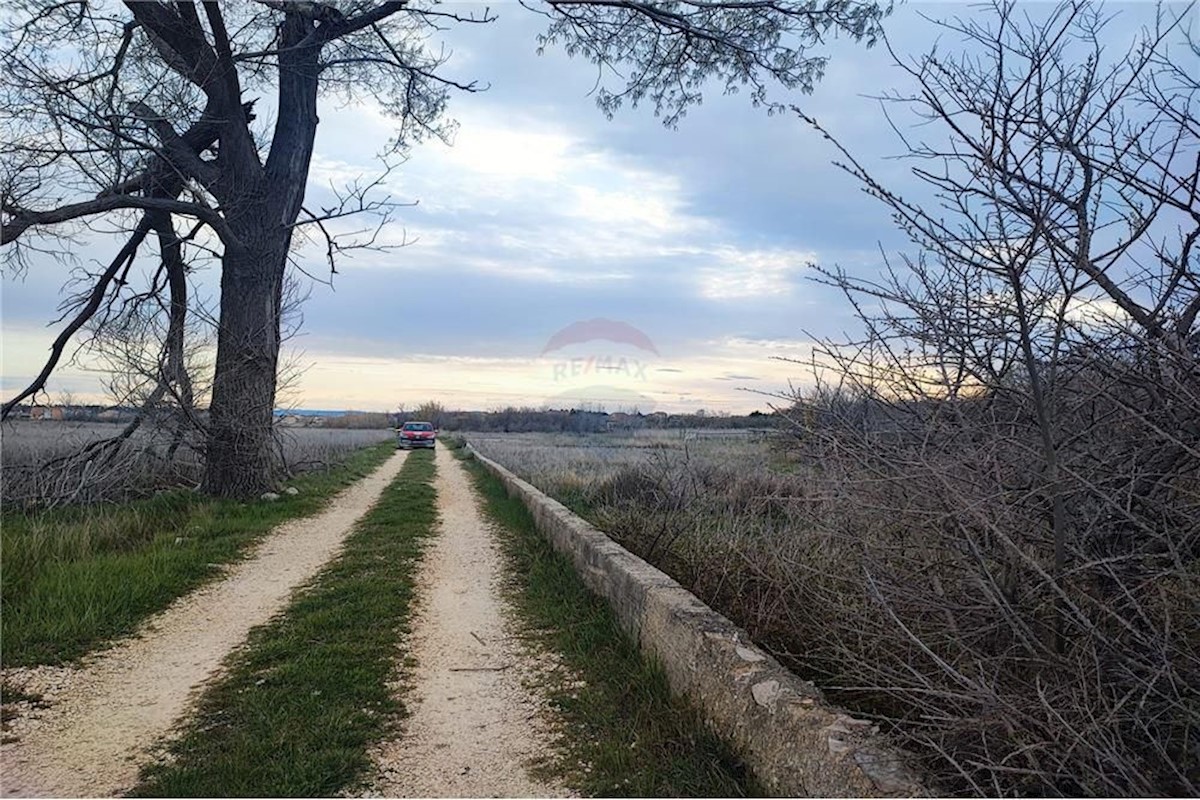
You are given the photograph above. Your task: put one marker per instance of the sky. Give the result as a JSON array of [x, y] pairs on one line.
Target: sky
[[543, 215]]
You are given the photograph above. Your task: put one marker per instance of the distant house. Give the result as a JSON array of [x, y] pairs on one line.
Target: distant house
[[307, 417], [619, 420], [43, 413]]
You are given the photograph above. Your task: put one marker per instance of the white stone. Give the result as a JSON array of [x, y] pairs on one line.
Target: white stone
[[746, 654], [765, 693]]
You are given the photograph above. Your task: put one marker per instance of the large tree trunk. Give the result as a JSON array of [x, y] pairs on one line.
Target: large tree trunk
[[240, 458], [261, 211]]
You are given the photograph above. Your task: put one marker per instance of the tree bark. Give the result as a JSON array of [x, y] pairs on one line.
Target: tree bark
[[240, 458], [260, 210]]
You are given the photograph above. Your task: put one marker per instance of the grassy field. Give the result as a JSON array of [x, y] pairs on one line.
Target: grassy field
[[624, 734], [76, 577], [299, 704], [574, 466]]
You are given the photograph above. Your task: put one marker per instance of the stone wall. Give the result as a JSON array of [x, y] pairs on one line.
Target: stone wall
[[796, 743]]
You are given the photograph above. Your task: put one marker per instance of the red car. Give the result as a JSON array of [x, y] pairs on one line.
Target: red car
[[416, 434]]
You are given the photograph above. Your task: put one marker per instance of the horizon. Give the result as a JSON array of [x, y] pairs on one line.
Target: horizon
[[304, 411]]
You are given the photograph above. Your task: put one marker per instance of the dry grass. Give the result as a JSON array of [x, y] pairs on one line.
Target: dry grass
[[909, 601], [47, 463]]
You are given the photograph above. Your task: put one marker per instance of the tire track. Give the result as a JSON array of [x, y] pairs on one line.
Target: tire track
[[107, 713], [474, 728]]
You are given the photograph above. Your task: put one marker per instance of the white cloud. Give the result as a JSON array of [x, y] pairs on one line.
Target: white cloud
[[1095, 312], [517, 196], [739, 274], [495, 149]]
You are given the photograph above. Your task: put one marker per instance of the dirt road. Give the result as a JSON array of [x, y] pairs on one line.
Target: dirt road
[[474, 727], [93, 738]]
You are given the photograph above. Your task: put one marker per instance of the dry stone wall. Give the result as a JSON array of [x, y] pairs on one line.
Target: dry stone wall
[[796, 743]]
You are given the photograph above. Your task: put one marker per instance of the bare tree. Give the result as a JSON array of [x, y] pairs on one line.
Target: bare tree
[[431, 411], [1016, 433], [137, 115]]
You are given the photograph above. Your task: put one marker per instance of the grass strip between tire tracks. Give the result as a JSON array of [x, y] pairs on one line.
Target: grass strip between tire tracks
[[76, 578], [624, 734], [299, 705]]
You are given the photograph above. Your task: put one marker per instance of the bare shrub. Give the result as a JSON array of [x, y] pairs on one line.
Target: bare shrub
[[1009, 456], [945, 612]]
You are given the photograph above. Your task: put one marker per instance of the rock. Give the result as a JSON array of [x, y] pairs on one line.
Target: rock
[[292, 490], [846, 734], [270, 497], [765, 693], [747, 654], [887, 771]]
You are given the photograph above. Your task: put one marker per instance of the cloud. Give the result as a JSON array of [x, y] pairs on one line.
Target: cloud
[[741, 274], [579, 213]]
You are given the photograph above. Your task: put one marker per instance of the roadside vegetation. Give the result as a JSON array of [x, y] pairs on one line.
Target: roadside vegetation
[[623, 733], [78, 576], [843, 577], [301, 702]]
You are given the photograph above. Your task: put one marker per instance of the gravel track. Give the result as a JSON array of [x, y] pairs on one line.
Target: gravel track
[[475, 727], [104, 714]]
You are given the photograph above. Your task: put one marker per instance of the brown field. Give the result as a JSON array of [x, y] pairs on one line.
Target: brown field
[[41, 461]]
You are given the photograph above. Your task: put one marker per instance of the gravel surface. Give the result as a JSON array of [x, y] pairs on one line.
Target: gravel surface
[[476, 727], [100, 717]]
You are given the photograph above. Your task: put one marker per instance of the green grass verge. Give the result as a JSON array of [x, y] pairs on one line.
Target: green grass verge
[[76, 578], [625, 736], [300, 703]]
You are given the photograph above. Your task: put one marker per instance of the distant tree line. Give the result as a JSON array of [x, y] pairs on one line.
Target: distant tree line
[[511, 419], [575, 420], [363, 420]]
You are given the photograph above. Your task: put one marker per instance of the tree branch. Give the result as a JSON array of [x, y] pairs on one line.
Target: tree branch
[[21, 219], [96, 297]]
